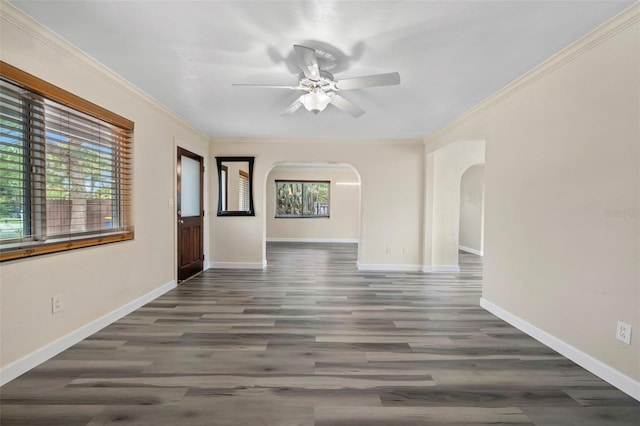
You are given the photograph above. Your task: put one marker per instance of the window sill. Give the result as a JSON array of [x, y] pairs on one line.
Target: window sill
[[303, 217], [35, 249]]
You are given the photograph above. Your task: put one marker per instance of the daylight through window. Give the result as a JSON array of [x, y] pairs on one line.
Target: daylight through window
[[295, 199], [64, 173]]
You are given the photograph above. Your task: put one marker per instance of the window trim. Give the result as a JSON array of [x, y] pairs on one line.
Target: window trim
[[57, 94], [302, 216], [25, 249]]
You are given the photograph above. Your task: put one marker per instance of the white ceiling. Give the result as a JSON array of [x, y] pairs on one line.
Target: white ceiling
[[450, 55]]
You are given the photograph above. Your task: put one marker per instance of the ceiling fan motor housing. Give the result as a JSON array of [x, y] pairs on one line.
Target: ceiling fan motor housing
[[324, 82]]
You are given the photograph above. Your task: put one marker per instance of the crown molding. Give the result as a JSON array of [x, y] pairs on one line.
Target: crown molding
[[26, 23], [604, 32], [307, 141]]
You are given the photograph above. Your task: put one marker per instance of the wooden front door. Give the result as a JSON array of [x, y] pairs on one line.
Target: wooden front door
[[190, 214]]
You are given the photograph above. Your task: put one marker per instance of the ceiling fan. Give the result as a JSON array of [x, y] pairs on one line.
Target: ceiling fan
[[321, 87]]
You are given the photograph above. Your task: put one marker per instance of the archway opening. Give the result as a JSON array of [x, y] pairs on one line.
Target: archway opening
[[471, 223], [295, 214], [444, 171]]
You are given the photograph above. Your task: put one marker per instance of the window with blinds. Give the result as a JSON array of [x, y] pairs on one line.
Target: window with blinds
[[243, 191], [65, 169]]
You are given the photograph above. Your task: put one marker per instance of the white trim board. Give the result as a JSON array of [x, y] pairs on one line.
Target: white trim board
[[237, 265], [621, 381], [471, 250], [312, 240], [387, 267], [441, 268], [16, 368]]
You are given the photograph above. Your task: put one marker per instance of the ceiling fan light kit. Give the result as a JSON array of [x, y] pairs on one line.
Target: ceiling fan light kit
[[315, 101], [321, 87]]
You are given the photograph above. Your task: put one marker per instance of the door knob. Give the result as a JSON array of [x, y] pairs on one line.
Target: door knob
[[181, 221]]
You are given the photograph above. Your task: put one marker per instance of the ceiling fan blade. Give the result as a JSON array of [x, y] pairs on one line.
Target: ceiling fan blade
[[308, 62], [292, 108], [369, 81], [269, 86], [345, 105]]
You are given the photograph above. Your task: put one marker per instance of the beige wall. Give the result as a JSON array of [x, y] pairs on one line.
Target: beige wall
[[391, 193], [472, 208], [562, 157], [99, 280], [343, 222]]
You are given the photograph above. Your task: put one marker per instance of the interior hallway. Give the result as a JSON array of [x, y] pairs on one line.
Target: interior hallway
[[312, 341]]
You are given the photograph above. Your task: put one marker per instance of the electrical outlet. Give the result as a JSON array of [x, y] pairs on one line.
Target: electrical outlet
[[56, 304], [623, 332], [388, 250]]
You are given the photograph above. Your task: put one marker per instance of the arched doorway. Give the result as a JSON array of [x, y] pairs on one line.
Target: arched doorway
[[336, 220], [471, 224], [444, 169]]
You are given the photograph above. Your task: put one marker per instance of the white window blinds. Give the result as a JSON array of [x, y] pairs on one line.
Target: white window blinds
[[65, 175], [243, 191]]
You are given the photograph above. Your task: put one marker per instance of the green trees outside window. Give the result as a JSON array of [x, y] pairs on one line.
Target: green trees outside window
[[65, 173], [295, 199]]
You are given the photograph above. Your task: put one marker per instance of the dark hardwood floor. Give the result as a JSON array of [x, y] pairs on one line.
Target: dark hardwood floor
[[312, 341]]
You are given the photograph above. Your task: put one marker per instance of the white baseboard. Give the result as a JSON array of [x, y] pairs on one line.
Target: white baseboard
[[440, 268], [471, 250], [237, 265], [387, 267], [600, 369], [312, 240], [37, 357]]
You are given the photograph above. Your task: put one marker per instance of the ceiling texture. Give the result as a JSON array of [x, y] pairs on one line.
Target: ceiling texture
[[450, 55]]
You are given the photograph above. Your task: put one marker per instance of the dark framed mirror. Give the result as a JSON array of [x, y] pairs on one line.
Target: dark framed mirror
[[235, 186]]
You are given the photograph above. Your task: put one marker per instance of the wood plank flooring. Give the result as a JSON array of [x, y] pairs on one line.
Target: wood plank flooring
[[312, 341]]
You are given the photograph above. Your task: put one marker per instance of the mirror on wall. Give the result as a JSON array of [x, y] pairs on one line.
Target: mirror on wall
[[235, 186]]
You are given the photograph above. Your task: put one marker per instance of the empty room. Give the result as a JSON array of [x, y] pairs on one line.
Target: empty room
[[319, 213]]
